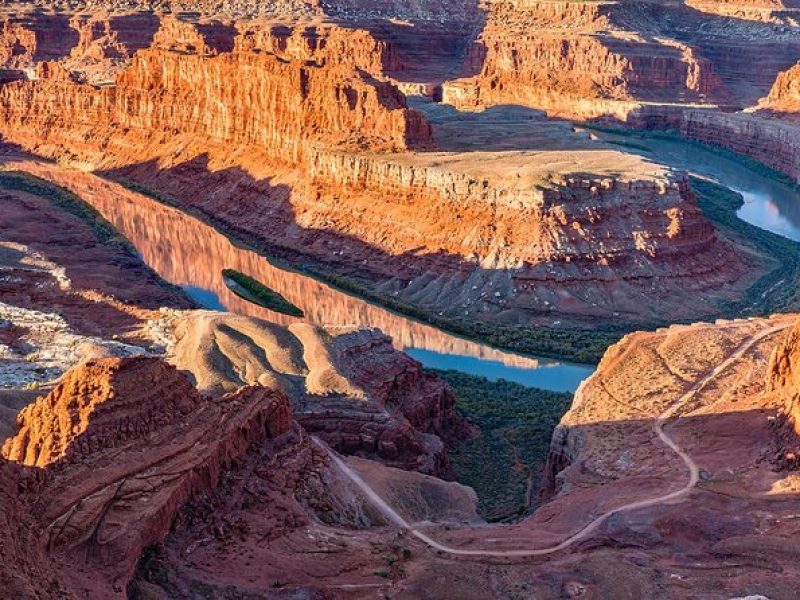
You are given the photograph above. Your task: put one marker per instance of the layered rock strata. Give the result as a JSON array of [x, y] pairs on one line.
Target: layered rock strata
[[773, 142], [290, 125], [350, 387], [119, 445]]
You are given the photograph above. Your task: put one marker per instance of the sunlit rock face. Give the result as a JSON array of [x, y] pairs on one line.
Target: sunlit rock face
[[357, 392], [784, 96], [119, 446], [300, 137], [782, 379]]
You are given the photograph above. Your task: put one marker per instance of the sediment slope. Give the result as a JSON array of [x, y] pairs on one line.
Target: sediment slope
[[348, 386], [120, 445]]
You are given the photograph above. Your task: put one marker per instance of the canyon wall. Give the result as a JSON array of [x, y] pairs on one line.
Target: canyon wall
[[784, 97], [281, 133], [118, 447], [783, 379], [281, 107], [556, 56], [773, 142], [751, 367]]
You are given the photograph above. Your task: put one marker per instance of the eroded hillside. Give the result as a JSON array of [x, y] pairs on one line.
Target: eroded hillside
[[360, 160], [300, 136]]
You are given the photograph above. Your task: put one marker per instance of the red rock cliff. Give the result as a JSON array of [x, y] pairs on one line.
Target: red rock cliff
[[120, 445], [783, 378], [241, 98]]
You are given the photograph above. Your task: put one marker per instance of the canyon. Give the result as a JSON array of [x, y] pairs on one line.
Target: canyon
[[344, 128], [474, 179]]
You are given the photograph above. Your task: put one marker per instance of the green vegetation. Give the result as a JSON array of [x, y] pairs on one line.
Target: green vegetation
[[778, 289], [504, 464], [70, 203], [156, 577], [254, 291], [66, 201], [577, 345]]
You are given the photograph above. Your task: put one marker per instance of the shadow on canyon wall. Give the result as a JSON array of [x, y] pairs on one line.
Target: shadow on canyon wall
[[505, 128], [56, 38], [264, 215], [429, 48], [90, 264], [745, 56], [432, 53]]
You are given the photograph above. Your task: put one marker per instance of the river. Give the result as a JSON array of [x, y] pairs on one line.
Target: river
[[187, 252], [769, 204]]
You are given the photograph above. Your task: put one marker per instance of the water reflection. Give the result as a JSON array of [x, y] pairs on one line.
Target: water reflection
[[188, 253], [768, 203], [558, 377], [205, 298]]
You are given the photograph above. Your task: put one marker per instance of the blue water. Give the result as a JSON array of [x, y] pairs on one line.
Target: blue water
[[549, 375], [769, 204], [205, 298]]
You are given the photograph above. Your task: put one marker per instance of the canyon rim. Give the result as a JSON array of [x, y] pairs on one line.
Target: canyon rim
[[322, 299]]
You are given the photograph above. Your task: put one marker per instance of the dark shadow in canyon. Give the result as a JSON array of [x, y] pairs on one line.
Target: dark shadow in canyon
[[503, 128], [430, 50], [264, 216], [54, 36], [135, 31], [430, 53], [218, 36], [726, 42], [717, 523]]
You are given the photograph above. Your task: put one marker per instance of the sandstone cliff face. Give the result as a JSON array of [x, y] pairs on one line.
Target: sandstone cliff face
[[321, 44], [356, 392], [770, 141], [641, 378], [553, 55], [567, 57], [555, 71], [316, 149], [119, 446], [280, 107], [783, 379], [93, 47], [26, 571], [784, 97]]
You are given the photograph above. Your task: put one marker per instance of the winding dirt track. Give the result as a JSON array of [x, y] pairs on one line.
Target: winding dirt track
[[588, 529]]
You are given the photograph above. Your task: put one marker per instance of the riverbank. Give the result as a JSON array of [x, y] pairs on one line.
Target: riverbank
[[776, 290], [72, 204], [584, 346], [505, 463], [574, 345]]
